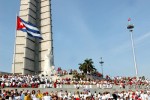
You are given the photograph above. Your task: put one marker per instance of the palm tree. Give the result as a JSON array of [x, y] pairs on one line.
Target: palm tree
[[87, 66]]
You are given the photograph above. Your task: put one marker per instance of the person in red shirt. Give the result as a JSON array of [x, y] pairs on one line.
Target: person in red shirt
[[55, 83]]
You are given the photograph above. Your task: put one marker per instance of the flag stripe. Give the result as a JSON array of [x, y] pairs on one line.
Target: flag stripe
[[34, 36], [30, 26], [34, 31]]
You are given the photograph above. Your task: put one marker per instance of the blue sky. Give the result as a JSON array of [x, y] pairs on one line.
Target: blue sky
[[89, 29]]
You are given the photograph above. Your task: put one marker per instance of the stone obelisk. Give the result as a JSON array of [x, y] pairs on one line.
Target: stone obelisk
[[29, 53]]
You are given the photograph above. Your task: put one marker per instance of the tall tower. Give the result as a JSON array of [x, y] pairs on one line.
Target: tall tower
[[30, 53]]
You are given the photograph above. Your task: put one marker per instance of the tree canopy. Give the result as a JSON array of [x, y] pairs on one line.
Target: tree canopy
[[87, 66]]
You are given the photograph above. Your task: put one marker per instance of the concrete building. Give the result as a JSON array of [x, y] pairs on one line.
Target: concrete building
[[30, 53]]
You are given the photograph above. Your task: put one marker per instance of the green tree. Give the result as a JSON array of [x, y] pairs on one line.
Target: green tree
[[87, 66]]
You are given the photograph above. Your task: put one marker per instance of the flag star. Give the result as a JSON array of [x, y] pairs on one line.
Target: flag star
[[21, 24]]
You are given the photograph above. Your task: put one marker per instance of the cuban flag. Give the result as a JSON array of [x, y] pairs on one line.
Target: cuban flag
[[31, 29]]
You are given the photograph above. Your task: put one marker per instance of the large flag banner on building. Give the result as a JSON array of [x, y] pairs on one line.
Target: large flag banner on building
[[31, 29]]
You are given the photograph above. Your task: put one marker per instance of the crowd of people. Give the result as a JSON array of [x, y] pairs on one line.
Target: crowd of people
[[34, 81], [66, 95], [20, 81]]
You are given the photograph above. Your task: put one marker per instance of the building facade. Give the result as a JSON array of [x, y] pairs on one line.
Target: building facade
[[30, 53]]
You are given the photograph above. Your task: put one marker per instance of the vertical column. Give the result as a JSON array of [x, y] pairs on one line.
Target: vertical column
[[24, 56], [20, 42], [46, 30], [31, 45]]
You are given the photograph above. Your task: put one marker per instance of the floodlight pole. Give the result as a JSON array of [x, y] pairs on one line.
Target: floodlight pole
[[130, 28], [102, 62]]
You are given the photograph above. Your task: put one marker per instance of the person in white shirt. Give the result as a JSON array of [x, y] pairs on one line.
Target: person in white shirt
[[104, 96], [145, 96], [17, 96], [46, 96], [97, 85], [33, 95], [142, 95], [89, 93]]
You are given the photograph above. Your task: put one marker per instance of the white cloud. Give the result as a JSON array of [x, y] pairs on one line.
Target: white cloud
[[142, 38], [125, 46]]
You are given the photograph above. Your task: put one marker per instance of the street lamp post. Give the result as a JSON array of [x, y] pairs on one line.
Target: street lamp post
[[130, 28], [101, 62]]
